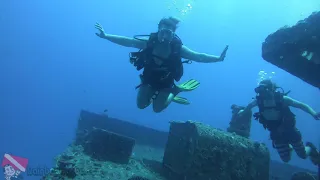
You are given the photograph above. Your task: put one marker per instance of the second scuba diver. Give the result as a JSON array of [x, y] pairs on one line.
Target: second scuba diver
[[160, 57], [275, 115]]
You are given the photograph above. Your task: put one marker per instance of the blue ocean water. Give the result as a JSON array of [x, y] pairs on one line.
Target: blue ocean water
[[52, 65]]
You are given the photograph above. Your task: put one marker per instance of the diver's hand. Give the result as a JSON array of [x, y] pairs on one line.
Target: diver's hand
[[102, 34], [224, 53], [317, 116]]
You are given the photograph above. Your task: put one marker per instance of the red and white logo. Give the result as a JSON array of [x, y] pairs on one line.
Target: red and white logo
[[13, 166]]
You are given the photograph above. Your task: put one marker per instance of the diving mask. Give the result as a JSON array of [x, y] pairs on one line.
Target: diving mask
[[264, 91], [165, 35], [261, 89]]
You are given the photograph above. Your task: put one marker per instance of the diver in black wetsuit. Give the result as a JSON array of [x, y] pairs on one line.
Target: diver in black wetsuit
[[275, 115], [161, 60]]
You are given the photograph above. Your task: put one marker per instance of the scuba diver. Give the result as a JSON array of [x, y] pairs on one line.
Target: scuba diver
[[275, 116], [160, 57]]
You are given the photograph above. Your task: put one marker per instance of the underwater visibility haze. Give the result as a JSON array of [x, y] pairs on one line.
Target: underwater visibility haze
[[52, 65]]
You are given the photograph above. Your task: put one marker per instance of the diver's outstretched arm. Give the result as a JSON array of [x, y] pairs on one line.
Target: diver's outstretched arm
[[304, 107], [251, 105], [121, 40], [202, 57]]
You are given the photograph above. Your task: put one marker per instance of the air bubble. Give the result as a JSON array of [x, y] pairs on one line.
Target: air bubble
[[263, 75], [183, 7]]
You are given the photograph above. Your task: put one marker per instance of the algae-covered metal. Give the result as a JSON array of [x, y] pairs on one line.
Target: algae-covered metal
[[198, 151]]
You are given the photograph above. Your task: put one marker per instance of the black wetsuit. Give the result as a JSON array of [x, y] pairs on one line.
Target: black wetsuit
[[283, 131], [161, 76]]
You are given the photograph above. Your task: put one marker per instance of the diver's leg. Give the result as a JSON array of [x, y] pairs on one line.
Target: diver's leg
[[297, 144], [284, 151], [144, 96], [282, 146], [313, 153], [304, 151], [162, 100]]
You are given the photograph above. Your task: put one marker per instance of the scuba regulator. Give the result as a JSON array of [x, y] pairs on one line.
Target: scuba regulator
[[137, 60]]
